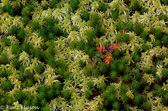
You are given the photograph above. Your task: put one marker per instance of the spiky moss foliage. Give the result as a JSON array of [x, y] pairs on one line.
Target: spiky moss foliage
[[66, 94], [157, 33], [102, 6], [136, 58], [8, 8], [119, 26], [138, 28], [164, 2], [116, 105], [127, 78], [3, 58], [85, 15], [95, 21], [145, 47], [129, 26], [5, 41], [95, 72], [87, 71], [103, 85], [115, 14], [144, 35], [165, 39], [113, 75], [74, 5], [54, 3], [157, 43], [137, 99], [7, 85], [103, 67]]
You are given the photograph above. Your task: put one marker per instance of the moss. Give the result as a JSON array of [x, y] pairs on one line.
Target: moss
[[127, 78], [158, 33], [54, 3], [135, 85], [16, 63], [113, 75], [103, 85], [95, 72], [124, 98], [50, 93], [90, 84], [123, 88], [43, 102], [105, 95], [111, 98], [85, 15], [57, 86], [102, 6], [116, 105], [144, 35], [119, 26], [115, 14], [137, 100], [14, 29], [157, 43], [137, 58], [165, 73], [129, 26], [74, 5], [66, 74], [87, 71], [95, 21], [138, 28], [165, 39], [35, 25], [4, 58], [153, 69], [145, 47], [103, 67], [126, 37], [66, 94]]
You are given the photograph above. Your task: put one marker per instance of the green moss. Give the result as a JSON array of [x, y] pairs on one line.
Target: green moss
[[102, 6], [14, 29], [35, 25], [103, 85], [137, 100], [111, 98], [158, 33], [66, 94], [145, 47], [137, 58], [87, 71], [4, 58], [124, 98], [116, 105], [66, 74], [74, 5], [157, 43], [95, 21], [90, 84], [82, 63], [138, 28], [57, 86], [85, 15], [103, 67], [113, 75], [129, 26], [115, 14], [135, 85], [95, 72], [127, 78]]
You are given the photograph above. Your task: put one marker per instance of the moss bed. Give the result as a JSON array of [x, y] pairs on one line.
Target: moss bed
[[83, 55]]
